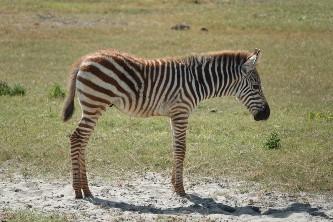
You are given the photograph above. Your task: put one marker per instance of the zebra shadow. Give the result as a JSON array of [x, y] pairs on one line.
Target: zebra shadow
[[206, 206]]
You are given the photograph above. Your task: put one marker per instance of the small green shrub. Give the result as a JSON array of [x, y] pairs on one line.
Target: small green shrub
[[17, 90], [56, 91], [328, 116], [5, 89], [273, 141]]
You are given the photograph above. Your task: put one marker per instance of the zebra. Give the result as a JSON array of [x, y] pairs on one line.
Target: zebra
[[171, 87]]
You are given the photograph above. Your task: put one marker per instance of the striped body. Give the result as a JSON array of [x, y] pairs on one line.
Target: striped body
[[159, 87]]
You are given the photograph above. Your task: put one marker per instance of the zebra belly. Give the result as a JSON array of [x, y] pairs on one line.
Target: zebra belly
[[144, 107]]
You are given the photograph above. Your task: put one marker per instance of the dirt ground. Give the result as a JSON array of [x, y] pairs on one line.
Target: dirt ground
[[149, 197]]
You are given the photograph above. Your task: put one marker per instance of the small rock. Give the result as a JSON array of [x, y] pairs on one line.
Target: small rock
[[268, 193], [93, 217], [181, 26]]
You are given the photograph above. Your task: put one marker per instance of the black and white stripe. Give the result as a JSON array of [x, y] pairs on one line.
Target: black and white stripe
[[159, 87]]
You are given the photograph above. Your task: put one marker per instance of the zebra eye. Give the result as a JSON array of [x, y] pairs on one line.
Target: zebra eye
[[255, 86]]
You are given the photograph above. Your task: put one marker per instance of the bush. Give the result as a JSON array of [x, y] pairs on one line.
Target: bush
[[56, 91], [328, 116], [5, 89], [17, 90], [273, 141]]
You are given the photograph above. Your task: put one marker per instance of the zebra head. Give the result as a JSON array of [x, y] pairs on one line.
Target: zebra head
[[250, 93]]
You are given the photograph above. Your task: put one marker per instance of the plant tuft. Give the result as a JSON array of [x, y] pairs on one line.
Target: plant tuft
[[273, 141], [56, 91], [328, 116], [17, 90], [5, 89]]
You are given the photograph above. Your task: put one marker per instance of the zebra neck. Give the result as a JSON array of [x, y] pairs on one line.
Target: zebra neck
[[215, 79]]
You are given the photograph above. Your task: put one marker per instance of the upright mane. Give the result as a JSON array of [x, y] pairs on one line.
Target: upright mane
[[199, 59], [194, 59]]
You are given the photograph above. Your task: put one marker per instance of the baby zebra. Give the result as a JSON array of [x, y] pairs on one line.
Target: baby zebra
[[170, 87]]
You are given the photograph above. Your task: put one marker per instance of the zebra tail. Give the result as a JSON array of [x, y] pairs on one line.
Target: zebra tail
[[68, 109]]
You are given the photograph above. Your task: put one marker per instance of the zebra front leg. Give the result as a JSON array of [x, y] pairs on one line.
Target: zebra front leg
[[179, 125]]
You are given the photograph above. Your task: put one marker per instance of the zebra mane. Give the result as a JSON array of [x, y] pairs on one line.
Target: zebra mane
[[201, 59], [116, 53], [189, 61]]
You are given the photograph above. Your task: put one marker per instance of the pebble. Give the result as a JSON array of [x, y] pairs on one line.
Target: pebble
[[181, 27]]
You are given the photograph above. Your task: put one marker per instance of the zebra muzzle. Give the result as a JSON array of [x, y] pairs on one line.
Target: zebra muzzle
[[263, 114]]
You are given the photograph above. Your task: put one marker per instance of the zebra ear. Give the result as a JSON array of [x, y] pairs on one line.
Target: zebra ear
[[251, 62]]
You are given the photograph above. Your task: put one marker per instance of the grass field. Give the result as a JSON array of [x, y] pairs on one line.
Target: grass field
[[40, 39], [28, 216]]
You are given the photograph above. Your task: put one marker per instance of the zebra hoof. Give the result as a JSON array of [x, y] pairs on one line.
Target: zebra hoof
[[78, 194], [88, 195], [181, 193]]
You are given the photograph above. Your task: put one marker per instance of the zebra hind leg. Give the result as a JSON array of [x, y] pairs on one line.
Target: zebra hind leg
[[79, 140]]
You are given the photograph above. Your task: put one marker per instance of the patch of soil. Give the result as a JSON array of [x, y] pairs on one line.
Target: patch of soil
[[149, 197]]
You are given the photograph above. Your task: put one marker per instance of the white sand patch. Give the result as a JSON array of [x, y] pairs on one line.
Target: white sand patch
[[150, 197]]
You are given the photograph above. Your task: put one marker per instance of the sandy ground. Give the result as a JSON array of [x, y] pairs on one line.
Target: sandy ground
[[149, 197]]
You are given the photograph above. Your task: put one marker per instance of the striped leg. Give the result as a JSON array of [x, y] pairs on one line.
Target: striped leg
[[179, 125], [79, 140], [83, 173]]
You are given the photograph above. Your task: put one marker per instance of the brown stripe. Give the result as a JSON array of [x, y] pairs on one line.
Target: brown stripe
[[133, 63], [95, 98], [88, 120], [128, 72], [85, 126], [171, 78], [160, 86], [101, 75], [95, 87], [82, 131], [75, 146], [75, 164], [92, 113], [92, 105]]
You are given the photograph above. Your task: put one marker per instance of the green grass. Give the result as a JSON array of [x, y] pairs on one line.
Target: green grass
[[56, 91], [273, 141], [40, 39], [5, 89], [28, 216]]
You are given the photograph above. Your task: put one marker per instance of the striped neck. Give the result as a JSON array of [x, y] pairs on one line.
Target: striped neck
[[217, 74]]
